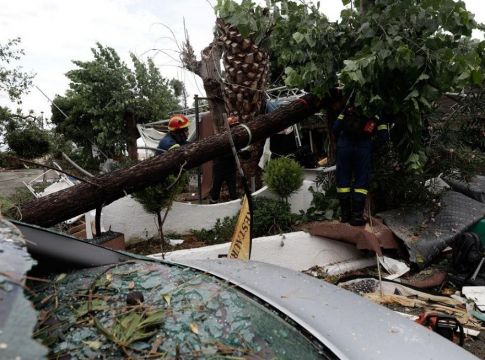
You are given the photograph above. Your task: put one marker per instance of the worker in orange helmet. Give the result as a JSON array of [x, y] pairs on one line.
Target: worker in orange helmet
[[178, 132]]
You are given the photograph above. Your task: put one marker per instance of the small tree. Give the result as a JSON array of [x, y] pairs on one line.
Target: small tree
[[156, 198], [283, 176]]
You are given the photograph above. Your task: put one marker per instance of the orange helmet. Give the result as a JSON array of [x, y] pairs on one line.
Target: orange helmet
[[178, 122]]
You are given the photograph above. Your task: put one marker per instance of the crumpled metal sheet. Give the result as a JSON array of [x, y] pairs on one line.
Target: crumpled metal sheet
[[424, 236], [203, 317], [374, 238], [17, 317]]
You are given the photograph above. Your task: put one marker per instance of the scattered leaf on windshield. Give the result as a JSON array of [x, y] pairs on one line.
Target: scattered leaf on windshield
[[93, 345], [60, 277], [194, 328]]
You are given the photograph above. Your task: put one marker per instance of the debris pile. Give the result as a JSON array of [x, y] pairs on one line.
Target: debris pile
[[435, 263]]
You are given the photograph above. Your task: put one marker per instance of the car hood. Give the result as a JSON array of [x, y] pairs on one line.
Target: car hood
[[349, 325]]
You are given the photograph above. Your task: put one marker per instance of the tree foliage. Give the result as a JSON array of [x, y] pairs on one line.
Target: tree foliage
[[105, 95], [395, 58], [161, 196], [23, 134], [425, 47], [27, 139], [13, 80]]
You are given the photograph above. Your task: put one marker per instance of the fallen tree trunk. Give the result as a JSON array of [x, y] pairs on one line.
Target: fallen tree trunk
[[65, 204]]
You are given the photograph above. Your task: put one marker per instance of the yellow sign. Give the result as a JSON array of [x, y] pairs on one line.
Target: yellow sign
[[241, 238]]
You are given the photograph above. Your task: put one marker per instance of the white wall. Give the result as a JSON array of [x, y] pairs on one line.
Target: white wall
[[128, 217]]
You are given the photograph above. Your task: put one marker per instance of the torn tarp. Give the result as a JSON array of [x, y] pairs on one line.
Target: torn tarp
[[426, 236], [375, 237]]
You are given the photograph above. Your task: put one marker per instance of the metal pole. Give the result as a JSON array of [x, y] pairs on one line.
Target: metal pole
[[197, 136], [310, 135]]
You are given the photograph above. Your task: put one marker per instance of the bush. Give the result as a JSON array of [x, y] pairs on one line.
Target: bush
[[272, 217], [283, 176], [220, 233], [7, 161], [324, 206], [9, 205]]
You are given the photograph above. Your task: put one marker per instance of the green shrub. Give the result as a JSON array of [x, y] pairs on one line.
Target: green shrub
[[271, 217], [324, 206], [283, 176], [9, 204], [220, 233], [158, 197], [7, 161]]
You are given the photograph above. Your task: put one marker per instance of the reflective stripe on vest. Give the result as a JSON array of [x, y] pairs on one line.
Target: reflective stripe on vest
[[361, 191], [382, 127], [343, 190], [173, 146]]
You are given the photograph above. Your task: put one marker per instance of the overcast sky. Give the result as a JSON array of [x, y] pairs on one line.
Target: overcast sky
[[55, 32]]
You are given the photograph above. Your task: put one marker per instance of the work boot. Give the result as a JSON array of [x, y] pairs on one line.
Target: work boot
[[344, 210], [357, 217]]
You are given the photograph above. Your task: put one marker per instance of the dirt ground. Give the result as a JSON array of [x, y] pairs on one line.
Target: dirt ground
[[152, 246]]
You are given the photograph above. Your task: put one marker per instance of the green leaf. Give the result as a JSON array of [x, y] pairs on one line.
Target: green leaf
[[464, 75], [96, 305], [477, 77], [376, 99], [93, 345], [154, 318], [357, 77], [298, 37], [60, 277], [310, 40], [412, 94]]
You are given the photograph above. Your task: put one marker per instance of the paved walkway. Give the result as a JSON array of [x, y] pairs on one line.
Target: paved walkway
[[12, 179]]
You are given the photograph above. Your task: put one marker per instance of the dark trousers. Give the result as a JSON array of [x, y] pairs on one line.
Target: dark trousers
[[224, 170], [354, 158]]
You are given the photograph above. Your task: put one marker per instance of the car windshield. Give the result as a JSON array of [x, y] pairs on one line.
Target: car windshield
[[176, 312]]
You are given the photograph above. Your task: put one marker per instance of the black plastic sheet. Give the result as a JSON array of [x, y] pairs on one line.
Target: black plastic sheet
[[474, 189]]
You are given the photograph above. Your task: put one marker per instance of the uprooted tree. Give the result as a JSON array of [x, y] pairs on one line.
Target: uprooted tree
[[424, 46], [102, 190]]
